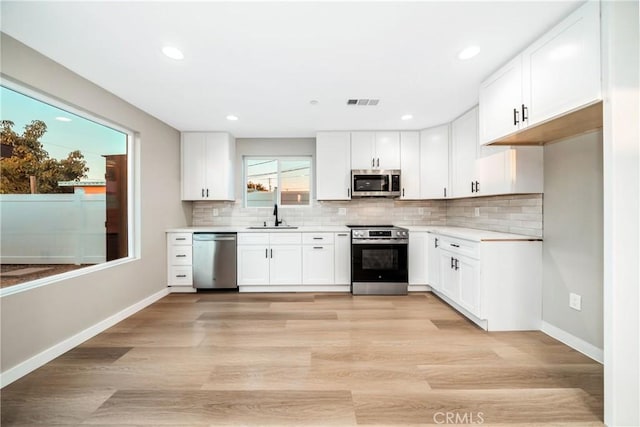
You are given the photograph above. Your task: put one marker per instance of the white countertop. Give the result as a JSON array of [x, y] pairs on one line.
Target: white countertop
[[470, 233], [459, 232], [244, 229]]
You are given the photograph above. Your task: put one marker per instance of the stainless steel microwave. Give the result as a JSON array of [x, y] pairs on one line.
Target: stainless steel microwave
[[375, 183]]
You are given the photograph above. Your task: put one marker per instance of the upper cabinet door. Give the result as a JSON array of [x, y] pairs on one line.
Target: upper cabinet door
[[333, 165], [363, 154], [193, 165], [464, 148], [434, 163], [387, 150], [563, 67], [410, 162], [501, 102], [220, 158]]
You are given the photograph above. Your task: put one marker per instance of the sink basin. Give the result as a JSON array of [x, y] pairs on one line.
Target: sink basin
[[272, 227]]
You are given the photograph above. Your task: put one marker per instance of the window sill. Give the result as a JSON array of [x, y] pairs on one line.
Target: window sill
[[23, 287]]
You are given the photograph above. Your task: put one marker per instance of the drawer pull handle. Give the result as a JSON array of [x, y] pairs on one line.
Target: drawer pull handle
[[181, 275], [318, 247], [181, 238], [343, 234], [181, 256], [318, 238], [455, 246]]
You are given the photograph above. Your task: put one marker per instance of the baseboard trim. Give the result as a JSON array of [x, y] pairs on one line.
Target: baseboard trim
[[574, 342], [33, 363], [419, 288]]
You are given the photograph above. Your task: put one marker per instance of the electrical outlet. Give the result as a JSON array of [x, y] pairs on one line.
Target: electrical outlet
[[575, 301], [215, 212], [476, 212], [342, 211]]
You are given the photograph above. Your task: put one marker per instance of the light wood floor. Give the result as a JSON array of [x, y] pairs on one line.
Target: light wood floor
[[308, 359]]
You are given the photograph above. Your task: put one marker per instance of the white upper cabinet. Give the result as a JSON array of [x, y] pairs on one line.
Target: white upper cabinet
[[464, 152], [564, 66], [333, 165], [557, 74], [410, 162], [500, 102], [434, 163], [375, 150], [208, 160]]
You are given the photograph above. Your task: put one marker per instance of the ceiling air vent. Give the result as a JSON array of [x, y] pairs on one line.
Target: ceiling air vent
[[363, 101]]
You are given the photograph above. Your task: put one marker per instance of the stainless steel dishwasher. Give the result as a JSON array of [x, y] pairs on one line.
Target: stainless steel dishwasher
[[214, 261]]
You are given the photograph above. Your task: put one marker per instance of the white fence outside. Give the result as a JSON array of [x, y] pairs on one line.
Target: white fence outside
[[52, 228]]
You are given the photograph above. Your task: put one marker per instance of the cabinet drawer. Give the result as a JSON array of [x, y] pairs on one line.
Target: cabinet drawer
[[317, 238], [253, 239], [180, 255], [285, 238], [180, 238], [460, 246], [180, 276]]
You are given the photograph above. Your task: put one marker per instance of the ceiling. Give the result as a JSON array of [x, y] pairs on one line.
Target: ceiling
[[264, 62]]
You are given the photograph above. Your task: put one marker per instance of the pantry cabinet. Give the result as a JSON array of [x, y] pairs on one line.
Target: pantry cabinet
[[557, 74], [410, 162], [208, 160], [375, 150], [434, 163], [333, 165]]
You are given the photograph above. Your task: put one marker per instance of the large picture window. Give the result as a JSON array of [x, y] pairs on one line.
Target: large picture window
[[286, 181], [63, 189]]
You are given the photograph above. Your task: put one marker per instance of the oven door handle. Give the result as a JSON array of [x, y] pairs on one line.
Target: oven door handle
[[380, 242]]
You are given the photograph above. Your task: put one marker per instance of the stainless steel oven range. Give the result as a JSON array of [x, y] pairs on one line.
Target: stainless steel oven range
[[379, 260]]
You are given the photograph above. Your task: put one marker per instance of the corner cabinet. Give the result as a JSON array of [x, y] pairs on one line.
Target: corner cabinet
[[556, 75], [333, 165], [207, 164], [495, 283]]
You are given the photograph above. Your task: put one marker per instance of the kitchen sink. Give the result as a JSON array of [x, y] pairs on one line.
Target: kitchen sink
[[272, 227]]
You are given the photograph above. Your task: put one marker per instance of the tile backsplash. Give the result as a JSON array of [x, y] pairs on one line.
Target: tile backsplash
[[521, 214]]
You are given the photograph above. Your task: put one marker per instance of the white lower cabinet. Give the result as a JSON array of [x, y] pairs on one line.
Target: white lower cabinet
[[318, 264], [342, 258], [417, 257], [433, 261], [269, 259], [179, 262], [495, 283]]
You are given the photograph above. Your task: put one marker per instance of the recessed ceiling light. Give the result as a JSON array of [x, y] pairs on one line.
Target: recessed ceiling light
[[313, 102], [469, 52], [173, 52], [407, 117], [63, 119], [232, 117]]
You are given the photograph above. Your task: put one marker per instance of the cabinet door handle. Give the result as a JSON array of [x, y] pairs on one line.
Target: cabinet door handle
[[435, 243], [378, 163], [373, 162], [477, 187], [473, 190], [525, 110], [403, 192], [516, 120], [271, 253], [203, 192], [207, 192], [266, 253], [348, 192], [445, 191], [457, 261], [454, 245], [452, 263]]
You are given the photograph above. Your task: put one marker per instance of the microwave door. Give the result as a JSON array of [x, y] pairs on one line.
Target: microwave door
[[371, 183]]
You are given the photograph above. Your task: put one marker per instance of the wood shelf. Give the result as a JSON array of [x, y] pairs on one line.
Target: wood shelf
[[577, 122]]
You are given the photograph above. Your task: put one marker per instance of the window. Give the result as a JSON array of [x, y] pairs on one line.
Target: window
[[286, 181], [64, 182]]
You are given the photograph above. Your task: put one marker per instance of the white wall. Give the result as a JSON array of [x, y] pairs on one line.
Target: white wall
[[37, 319], [572, 250], [53, 228]]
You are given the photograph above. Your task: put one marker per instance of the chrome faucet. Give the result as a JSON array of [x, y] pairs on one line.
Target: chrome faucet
[[275, 212]]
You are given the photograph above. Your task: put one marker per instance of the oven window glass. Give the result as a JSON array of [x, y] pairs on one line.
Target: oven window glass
[[379, 259]]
